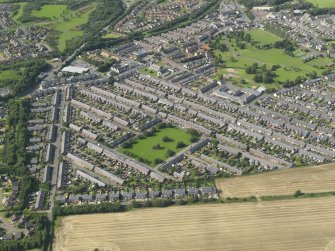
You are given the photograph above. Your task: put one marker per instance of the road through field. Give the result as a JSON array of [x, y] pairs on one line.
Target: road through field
[[301, 224], [312, 179]]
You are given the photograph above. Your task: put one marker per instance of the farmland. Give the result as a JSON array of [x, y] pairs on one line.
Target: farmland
[[143, 148], [314, 179], [305, 224], [323, 3]]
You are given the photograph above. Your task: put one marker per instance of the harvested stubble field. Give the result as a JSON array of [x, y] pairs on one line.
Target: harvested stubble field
[[314, 179], [302, 224]]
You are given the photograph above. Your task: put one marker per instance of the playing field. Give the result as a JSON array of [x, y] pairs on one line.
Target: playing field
[[302, 224], [313, 179], [323, 3], [144, 147]]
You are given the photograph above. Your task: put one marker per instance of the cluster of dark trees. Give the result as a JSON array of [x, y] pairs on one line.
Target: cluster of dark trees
[[195, 135], [28, 72], [102, 66], [153, 203], [287, 45], [40, 238], [262, 74], [321, 11], [14, 153]]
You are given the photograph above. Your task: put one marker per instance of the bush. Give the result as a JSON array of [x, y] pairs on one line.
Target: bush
[[157, 147]]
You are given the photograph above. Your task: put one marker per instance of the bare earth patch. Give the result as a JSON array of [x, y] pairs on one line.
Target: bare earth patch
[[302, 224]]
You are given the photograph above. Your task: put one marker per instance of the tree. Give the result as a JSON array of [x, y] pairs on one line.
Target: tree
[[167, 139], [157, 161], [170, 153], [180, 144]]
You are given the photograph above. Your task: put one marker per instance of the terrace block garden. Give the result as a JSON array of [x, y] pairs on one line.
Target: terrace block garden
[[159, 144]]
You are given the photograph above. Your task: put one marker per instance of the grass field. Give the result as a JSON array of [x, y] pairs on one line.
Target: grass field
[[70, 28], [303, 224], [144, 147], [8, 74], [148, 71], [312, 179], [20, 12], [323, 3], [113, 35], [262, 37], [52, 11]]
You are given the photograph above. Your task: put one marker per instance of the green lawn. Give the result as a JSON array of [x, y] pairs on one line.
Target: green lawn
[[52, 11], [8, 74], [323, 3], [320, 62], [144, 147], [262, 37], [146, 70], [113, 35]]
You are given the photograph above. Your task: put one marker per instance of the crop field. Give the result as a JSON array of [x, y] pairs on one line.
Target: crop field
[[314, 179], [144, 147], [302, 224], [323, 3], [51, 11]]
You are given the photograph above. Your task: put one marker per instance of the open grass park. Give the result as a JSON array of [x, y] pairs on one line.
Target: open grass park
[[157, 146], [236, 60], [323, 3]]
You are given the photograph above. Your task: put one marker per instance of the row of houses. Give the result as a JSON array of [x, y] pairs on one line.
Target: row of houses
[[144, 195]]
